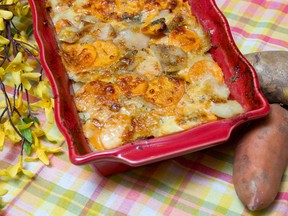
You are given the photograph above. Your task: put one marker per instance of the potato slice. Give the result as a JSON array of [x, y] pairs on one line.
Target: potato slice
[[108, 10], [107, 53], [186, 39], [92, 130], [104, 10], [165, 91], [132, 85], [96, 93], [113, 133], [202, 67], [69, 35], [82, 57], [62, 23], [226, 110], [129, 6], [78, 57], [171, 58], [153, 5], [159, 4], [96, 31], [149, 65], [155, 28], [178, 20], [145, 125], [116, 131]]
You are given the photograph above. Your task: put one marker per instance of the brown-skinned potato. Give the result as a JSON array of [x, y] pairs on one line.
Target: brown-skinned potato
[[272, 71], [261, 158]]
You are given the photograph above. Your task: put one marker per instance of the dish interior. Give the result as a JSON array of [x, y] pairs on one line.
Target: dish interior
[[239, 75]]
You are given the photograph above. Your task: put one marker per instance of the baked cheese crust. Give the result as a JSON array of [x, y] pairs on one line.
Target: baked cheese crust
[[140, 68]]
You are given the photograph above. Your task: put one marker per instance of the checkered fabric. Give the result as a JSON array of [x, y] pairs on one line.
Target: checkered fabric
[[196, 184]]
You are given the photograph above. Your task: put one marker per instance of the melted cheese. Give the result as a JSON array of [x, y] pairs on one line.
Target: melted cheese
[[140, 68]]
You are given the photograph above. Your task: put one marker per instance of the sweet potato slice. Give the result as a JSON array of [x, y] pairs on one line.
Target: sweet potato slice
[[62, 23], [96, 93], [110, 134], [184, 38], [205, 66], [107, 53], [78, 57], [165, 91], [132, 85]]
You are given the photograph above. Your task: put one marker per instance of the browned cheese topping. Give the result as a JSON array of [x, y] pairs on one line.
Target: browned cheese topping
[[140, 68]]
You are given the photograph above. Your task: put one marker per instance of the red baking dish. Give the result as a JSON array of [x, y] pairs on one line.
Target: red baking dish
[[239, 75]]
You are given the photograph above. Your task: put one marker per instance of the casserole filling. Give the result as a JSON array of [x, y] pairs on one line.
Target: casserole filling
[[140, 68]]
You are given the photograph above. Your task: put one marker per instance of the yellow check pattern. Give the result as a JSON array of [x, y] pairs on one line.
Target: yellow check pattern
[[196, 184]]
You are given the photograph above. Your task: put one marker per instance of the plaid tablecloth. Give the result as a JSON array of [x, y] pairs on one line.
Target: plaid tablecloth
[[196, 184]]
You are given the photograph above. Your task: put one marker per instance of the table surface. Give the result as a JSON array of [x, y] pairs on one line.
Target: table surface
[[199, 183]]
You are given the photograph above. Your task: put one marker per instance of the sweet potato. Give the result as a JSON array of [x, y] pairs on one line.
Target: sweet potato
[[261, 157], [272, 70]]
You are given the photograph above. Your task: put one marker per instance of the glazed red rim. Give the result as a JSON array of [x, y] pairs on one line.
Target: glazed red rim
[[240, 77]]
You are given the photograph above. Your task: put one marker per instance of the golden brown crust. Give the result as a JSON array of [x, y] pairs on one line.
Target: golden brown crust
[[184, 38], [139, 68], [132, 85], [96, 93], [205, 66], [165, 91]]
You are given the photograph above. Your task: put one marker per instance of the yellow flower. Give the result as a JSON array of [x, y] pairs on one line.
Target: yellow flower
[[24, 9], [48, 105], [2, 103], [18, 65], [10, 132], [38, 130], [4, 15], [49, 129], [3, 172], [3, 42], [20, 104], [2, 138], [3, 192], [2, 72], [43, 89], [21, 9], [25, 126], [9, 2], [21, 72], [27, 44], [18, 168], [31, 159], [42, 151], [25, 77]]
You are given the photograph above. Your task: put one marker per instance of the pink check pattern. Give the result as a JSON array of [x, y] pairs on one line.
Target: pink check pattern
[[196, 184]]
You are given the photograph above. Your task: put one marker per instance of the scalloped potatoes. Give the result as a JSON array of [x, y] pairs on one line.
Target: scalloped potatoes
[[140, 69]]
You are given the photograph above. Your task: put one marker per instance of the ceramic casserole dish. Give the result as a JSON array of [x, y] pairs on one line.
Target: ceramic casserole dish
[[240, 77]]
